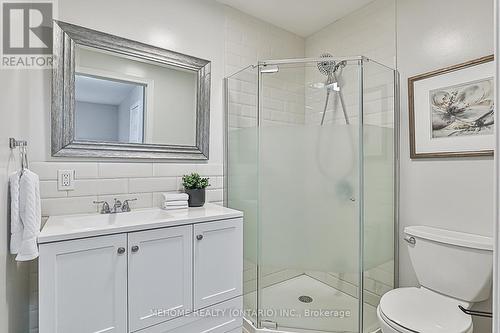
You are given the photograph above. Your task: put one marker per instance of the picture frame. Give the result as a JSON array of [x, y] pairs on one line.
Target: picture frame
[[451, 111]]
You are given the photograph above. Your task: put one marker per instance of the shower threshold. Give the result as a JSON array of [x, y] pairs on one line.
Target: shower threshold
[[289, 294]]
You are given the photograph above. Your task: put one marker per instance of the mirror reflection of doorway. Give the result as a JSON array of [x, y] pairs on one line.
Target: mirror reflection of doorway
[[136, 122]]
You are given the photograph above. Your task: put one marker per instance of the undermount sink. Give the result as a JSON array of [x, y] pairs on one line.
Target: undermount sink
[[65, 227]]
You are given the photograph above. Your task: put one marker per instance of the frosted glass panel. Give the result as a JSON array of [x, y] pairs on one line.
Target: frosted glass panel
[[242, 172], [308, 198], [379, 178]]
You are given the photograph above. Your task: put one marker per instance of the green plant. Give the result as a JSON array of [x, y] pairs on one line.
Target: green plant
[[194, 181]]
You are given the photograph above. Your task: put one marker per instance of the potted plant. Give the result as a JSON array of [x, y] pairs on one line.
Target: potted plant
[[195, 186]]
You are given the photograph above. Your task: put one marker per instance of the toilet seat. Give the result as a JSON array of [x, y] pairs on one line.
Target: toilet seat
[[421, 310]]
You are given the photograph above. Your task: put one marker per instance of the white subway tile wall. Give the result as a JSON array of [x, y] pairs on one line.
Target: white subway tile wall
[[249, 40], [106, 181], [289, 96], [370, 32]]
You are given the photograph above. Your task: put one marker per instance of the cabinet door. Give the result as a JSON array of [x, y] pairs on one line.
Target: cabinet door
[[83, 285], [218, 261], [160, 277]]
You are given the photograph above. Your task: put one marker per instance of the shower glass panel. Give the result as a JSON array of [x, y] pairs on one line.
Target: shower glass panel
[[379, 177], [242, 176], [297, 168]]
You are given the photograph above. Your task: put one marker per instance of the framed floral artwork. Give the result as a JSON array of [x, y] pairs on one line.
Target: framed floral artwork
[[452, 111]]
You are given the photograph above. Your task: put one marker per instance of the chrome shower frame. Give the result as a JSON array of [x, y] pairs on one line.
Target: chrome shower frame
[[362, 60]]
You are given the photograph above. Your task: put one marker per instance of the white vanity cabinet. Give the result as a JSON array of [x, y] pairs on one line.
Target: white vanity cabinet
[[83, 285], [218, 272], [169, 274], [160, 275]]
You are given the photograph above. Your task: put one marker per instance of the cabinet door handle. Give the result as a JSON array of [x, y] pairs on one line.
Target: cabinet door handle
[[199, 237], [121, 250], [135, 248]]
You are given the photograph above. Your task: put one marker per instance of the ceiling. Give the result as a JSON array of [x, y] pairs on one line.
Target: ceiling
[[94, 90], [302, 17]]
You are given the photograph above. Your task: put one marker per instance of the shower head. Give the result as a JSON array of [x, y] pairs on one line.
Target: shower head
[[326, 67]]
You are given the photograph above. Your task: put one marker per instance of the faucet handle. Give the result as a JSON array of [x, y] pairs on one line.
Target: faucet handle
[[126, 206], [105, 207]]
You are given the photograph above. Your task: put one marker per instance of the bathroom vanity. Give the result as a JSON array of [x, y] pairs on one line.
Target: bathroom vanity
[[148, 271]]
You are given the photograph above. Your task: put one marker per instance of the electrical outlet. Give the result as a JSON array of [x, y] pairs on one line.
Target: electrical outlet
[[65, 180]]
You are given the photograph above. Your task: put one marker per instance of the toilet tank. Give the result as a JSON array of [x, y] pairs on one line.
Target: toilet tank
[[453, 263]]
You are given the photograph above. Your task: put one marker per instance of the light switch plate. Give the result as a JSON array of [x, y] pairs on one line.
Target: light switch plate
[[65, 180]]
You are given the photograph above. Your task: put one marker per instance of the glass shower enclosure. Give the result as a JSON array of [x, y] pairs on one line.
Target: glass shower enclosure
[[311, 161]]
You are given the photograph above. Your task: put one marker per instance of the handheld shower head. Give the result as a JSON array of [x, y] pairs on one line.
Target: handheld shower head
[[326, 67]]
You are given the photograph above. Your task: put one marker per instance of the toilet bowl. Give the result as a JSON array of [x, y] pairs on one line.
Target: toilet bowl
[[453, 269]]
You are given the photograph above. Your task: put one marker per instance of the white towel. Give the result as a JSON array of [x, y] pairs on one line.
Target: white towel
[[174, 207], [176, 203], [29, 215], [175, 196], [16, 227]]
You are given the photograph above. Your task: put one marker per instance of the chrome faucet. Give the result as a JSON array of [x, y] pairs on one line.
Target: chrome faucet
[[126, 206], [105, 207], [118, 206]]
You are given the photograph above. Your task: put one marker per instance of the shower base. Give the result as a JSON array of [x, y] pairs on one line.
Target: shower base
[[285, 296]]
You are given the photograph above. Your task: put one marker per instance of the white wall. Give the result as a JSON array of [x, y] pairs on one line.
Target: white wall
[[14, 277], [462, 189], [456, 193], [369, 31], [96, 121]]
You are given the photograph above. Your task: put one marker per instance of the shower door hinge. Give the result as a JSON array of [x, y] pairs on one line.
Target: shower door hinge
[[270, 325]]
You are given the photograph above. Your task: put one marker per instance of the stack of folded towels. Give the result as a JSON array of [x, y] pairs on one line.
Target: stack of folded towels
[[174, 201]]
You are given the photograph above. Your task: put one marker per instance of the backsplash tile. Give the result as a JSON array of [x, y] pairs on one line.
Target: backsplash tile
[[156, 184], [48, 170], [125, 170], [99, 187], [144, 200], [106, 181], [169, 169], [63, 206], [48, 189]]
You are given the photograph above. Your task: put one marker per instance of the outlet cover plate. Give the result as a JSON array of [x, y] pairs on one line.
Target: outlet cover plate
[[65, 180]]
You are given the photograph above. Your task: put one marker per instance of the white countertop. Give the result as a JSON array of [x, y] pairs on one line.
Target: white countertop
[[66, 227]]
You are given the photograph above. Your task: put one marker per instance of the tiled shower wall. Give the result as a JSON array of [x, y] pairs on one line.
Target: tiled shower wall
[[289, 99], [369, 31], [249, 40]]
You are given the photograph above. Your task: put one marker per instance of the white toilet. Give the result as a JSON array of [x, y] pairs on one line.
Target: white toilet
[[453, 269]]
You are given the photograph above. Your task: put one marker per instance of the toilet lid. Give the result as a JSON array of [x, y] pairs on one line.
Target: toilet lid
[[421, 310]]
